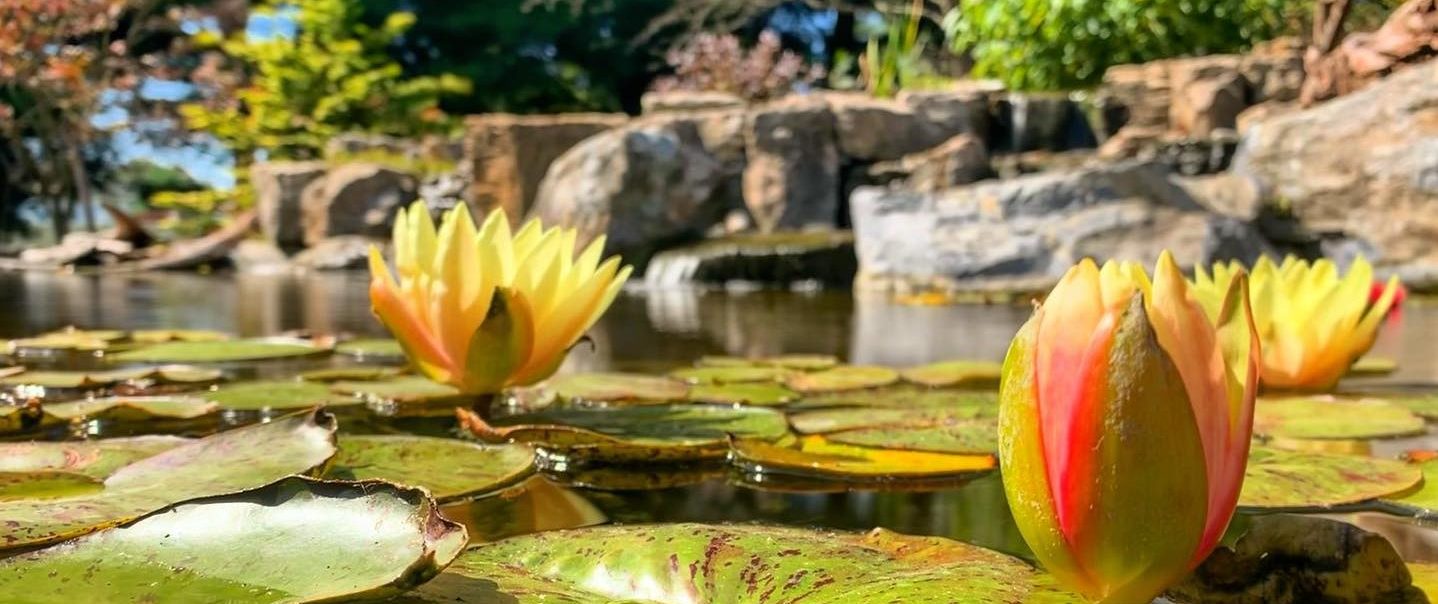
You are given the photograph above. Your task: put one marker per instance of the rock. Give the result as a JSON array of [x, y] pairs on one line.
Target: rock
[[76, 249], [337, 253], [1046, 122], [687, 100], [1207, 93], [1273, 71], [258, 256], [213, 248], [279, 188], [1262, 112], [1138, 95], [355, 199], [510, 154], [791, 179], [351, 144], [961, 160], [873, 129], [1031, 229], [1363, 166], [647, 185], [964, 110], [1227, 193], [1287, 559], [824, 257]]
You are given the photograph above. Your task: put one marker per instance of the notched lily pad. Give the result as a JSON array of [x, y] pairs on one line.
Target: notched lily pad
[[729, 375], [629, 434], [848, 377], [742, 394], [819, 456], [618, 387], [957, 373], [1326, 417], [297, 540], [221, 352], [275, 394], [450, 469], [382, 348], [1284, 479], [737, 565]]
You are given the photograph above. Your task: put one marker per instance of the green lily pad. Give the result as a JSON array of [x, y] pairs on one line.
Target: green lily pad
[[356, 373], [796, 362], [968, 374], [410, 389], [46, 484], [840, 419], [820, 456], [274, 394], [973, 436], [1323, 417], [93, 458], [156, 336], [902, 397], [371, 348], [1424, 498], [132, 408], [1422, 405], [1372, 366], [618, 387], [639, 433], [742, 394], [180, 374], [297, 540], [736, 565], [69, 339], [224, 463], [729, 375], [1285, 479], [220, 352], [449, 469], [847, 377]]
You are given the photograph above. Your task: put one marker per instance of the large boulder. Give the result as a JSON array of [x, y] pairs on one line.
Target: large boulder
[[873, 129], [774, 259], [1207, 93], [647, 185], [791, 179], [355, 199], [961, 110], [1027, 231], [509, 155], [1361, 168], [279, 188], [670, 101], [960, 160]]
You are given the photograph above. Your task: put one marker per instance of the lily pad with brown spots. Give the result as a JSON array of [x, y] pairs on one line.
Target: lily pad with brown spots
[[618, 387], [450, 469], [1285, 479], [957, 373], [93, 458], [736, 565], [296, 540], [1425, 498], [1326, 417], [845, 377]]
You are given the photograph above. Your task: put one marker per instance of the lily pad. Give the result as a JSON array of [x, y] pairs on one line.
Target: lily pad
[[976, 436], [132, 408], [180, 374], [848, 377], [46, 484], [355, 373], [93, 458], [371, 348], [224, 463], [742, 394], [796, 362], [902, 397], [156, 336], [729, 375], [450, 469], [297, 540], [1424, 498], [736, 565], [1322, 417], [6, 372], [1422, 405], [616, 387], [69, 338], [817, 455], [640, 433], [842, 419], [411, 389], [1372, 366], [961, 373], [1285, 479], [220, 352], [274, 394]]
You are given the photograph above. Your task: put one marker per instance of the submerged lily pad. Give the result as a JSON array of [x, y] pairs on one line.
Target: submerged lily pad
[[1284, 479], [639, 433], [615, 387], [450, 469], [735, 565], [975, 436], [848, 377], [227, 462], [410, 389], [274, 394], [220, 352], [742, 394], [1370, 366], [297, 540], [371, 348], [93, 458], [817, 455], [1332, 418], [729, 375], [961, 373]]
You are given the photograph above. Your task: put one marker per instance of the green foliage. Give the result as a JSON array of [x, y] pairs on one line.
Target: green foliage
[[1046, 45], [890, 62], [333, 76]]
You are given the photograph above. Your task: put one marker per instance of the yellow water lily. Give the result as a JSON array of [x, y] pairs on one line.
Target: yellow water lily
[[483, 309], [1313, 322]]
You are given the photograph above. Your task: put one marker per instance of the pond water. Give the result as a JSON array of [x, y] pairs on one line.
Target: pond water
[[658, 331]]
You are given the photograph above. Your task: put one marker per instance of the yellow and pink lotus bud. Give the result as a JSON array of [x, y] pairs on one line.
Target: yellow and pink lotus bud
[[1124, 427]]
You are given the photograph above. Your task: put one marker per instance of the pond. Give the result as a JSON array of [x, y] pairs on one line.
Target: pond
[[654, 332]]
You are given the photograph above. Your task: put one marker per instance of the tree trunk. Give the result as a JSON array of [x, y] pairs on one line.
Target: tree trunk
[[81, 182]]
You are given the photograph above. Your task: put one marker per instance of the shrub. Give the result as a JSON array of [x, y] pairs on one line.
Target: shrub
[[719, 63]]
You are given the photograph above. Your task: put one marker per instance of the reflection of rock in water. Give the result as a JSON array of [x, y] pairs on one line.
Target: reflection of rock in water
[[673, 310], [898, 335]]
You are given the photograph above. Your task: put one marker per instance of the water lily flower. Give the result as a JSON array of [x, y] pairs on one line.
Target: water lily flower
[[1313, 323], [481, 309], [1124, 426]]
